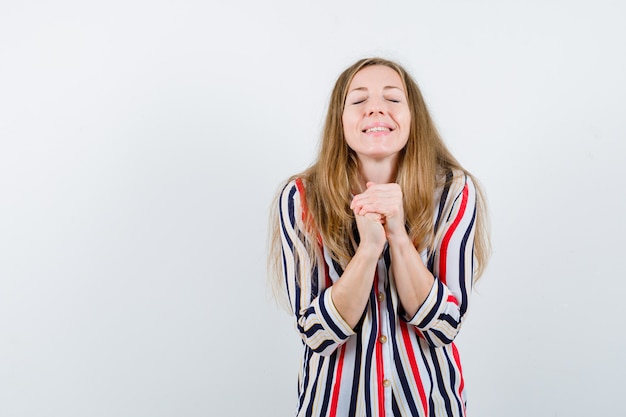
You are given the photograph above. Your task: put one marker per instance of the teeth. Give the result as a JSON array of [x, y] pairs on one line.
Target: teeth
[[378, 129]]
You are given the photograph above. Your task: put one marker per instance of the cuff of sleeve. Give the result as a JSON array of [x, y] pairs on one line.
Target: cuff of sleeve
[[432, 306], [332, 320]]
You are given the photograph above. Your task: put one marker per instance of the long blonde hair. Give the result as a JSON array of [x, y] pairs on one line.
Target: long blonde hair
[[331, 178]]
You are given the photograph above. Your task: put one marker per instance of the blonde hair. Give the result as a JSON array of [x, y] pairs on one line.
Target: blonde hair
[[422, 166]]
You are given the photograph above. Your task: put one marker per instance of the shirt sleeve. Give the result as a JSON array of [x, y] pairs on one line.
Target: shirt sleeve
[[452, 263], [320, 325]]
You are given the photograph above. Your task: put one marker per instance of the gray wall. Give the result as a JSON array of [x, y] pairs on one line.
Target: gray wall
[[141, 143]]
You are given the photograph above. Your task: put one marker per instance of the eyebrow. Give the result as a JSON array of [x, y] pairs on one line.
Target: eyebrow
[[387, 87]]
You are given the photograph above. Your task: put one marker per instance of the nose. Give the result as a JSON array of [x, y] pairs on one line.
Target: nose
[[376, 106]]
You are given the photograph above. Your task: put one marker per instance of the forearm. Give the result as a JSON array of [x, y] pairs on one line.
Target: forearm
[[351, 292], [413, 280]]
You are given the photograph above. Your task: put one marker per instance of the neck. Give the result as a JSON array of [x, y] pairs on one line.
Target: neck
[[379, 172]]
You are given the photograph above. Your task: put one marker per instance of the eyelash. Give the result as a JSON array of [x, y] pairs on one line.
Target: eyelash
[[389, 99]]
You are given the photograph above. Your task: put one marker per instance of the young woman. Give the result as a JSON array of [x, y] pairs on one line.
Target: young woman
[[375, 248]]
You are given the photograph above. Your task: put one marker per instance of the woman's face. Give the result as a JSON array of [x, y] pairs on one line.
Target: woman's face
[[376, 117]]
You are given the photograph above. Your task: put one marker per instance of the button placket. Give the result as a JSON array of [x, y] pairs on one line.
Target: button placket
[[384, 326]]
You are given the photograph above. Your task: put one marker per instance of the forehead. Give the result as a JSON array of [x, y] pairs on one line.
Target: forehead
[[376, 76]]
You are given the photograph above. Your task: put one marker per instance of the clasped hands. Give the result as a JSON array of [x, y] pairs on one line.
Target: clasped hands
[[379, 213]]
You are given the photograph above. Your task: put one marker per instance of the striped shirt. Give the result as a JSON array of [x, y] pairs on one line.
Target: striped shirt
[[389, 364]]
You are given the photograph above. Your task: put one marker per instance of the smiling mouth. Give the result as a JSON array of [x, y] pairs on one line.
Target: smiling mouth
[[377, 129]]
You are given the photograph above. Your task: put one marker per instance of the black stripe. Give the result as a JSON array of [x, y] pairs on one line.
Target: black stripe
[[404, 383], [459, 195], [309, 410], [393, 320], [429, 339], [356, 375], [322, 346], [285, 277], [442, 203], [449, 319], [390, 307], [431, 261], [297, 283], [329, 382], [444, 197], [329, 319], [402, 375], [394, 406], [337, 268], [387, 256], [463, 306], [305, 380], [290, 213], [431, 404], [371, 345], [432, 312], [314, 281], [440, 383], [439, 335], [453, 382], [311, 330]]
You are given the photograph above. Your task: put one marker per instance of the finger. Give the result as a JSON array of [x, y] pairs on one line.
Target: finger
[[373, 216], [359, 201]]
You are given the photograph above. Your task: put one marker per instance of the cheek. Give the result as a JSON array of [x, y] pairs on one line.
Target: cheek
[[347, 124], [406, 119], [345, 120]]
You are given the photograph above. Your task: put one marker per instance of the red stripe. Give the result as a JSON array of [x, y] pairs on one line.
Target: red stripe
[[380, 373], [326, 271], [305, 208], [452, 299], [418, 332], [443, 253], [457, 359], [305, 219], [416, 373], [335, 398]]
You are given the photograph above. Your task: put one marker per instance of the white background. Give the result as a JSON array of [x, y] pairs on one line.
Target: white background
[[141, 143]]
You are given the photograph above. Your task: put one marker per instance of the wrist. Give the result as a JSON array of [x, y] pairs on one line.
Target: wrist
[[400, 239], [369, 251]]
